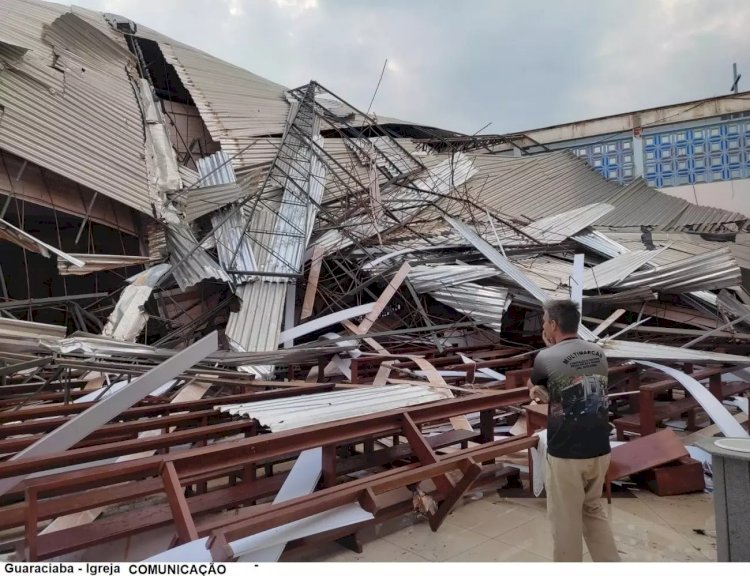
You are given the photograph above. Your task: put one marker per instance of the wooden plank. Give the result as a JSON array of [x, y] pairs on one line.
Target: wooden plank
[[384, 298], [312, 282], [471, 473], [645, 453], [458, 422], [183, 520], [611, 319], [136, 521], [425, 454]]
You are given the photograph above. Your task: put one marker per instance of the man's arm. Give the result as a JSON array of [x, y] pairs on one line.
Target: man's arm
[[538, 381]]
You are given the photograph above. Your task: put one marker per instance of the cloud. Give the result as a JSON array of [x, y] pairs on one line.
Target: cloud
[[519, 65], [296, 7]]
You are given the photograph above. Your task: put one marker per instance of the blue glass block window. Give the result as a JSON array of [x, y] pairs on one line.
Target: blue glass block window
[[706, 154], [612, 159]]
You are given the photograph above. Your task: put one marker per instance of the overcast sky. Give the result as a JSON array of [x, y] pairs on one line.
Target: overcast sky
[[459, 65]]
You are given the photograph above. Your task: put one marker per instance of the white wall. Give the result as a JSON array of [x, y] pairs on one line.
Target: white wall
[[733, 195]]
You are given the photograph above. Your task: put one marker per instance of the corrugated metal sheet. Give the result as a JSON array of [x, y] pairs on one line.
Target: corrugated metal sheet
[[257, 325], [300, 330], [10, 328], [235, 104], [101, 346], [232, 245], [709, 271], [485, 304], [555, 229], [510, 270], [263, 220], [534, 187], [204, 200], [221, 188], [92, 131], [537, 186], [616, 269], [216, 169], [732, 306], [630, 350], [98, 262], [624, 297], [601, 243], [189, 176], [310, 409], [189, 270], [639, 204], [681, 245], [428, 278], [505, 265]]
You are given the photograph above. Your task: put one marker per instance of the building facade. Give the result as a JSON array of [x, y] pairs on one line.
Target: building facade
[[698, 151]]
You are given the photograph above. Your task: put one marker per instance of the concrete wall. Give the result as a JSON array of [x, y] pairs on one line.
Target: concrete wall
[[685, 112], [731, 195]]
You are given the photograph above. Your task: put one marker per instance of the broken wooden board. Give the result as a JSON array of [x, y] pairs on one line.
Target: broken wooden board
[[645, 453]]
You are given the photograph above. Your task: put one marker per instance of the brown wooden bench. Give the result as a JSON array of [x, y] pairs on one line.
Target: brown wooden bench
[[42, 546], [650, 414]]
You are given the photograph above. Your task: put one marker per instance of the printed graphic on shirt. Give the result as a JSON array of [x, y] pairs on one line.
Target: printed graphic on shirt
[[575, 374], [576, 396]]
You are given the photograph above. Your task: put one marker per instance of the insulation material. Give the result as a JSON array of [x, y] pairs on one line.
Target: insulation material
[[160, 157], [129, 318]]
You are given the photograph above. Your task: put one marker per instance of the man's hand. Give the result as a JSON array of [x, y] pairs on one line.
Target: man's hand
[[539, 394]]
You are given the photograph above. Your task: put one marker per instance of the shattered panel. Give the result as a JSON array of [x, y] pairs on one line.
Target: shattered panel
[[128, 318]]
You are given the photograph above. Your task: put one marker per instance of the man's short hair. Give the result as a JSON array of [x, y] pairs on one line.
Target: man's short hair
[[565, 313]]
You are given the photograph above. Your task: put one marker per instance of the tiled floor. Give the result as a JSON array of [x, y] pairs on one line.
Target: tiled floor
[[496, 529]]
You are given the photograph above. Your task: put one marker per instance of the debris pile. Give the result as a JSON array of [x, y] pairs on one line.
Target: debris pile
[[229, 307]]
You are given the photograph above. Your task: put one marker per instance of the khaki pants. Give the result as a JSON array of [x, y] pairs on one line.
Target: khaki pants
[[575, 510]]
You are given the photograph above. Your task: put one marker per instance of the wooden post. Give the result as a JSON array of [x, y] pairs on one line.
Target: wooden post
[[183, 520]]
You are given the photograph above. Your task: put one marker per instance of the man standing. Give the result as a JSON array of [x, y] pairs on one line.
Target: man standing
[[572, 373]]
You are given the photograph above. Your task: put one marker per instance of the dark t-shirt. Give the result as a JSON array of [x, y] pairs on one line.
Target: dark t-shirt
[[575, 374]]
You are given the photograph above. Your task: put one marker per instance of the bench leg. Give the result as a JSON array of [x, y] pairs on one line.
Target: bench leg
[[691, 427], [620, 433]]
